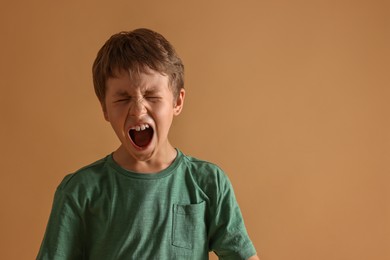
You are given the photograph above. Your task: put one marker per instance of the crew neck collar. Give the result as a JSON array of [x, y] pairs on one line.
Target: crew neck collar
[[149, 176]]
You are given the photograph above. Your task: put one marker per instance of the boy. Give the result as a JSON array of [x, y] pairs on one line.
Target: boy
[[146, 200]]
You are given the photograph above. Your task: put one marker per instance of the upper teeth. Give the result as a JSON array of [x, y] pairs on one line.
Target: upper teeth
[[140, 127]]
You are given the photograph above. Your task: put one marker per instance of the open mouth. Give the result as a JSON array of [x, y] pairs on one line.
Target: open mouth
[[141, 135]]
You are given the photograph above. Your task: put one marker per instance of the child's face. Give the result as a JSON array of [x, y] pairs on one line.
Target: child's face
[[141, 113]]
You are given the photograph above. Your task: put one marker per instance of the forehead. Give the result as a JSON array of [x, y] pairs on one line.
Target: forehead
[[149, 80]]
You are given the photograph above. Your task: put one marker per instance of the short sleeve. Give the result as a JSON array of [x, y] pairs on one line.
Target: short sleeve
[[64, 231], [227, 234]]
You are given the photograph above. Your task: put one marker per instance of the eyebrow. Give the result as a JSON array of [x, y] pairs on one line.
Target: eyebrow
[[151, 90], [121, 93]]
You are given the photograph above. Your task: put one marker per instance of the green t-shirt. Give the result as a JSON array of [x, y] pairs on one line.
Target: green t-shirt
[[106, 212]]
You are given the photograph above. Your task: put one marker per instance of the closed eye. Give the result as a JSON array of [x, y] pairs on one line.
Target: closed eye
[[122, 100], [152, 98]]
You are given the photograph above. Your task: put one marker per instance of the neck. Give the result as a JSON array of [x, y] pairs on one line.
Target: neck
[[155, 164]]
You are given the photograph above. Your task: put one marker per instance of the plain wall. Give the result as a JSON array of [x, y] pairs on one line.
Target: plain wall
[[290, 98]]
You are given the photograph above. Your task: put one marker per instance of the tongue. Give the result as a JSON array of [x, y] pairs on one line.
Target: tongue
[[141, 138]]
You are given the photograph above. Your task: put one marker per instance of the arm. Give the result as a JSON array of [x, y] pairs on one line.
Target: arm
[[63, 236], [227, 233]]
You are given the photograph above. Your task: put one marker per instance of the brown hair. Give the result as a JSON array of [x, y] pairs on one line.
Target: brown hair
[[137, 51]]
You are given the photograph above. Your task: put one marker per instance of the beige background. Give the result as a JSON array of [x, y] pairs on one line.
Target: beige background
[[291, 98]]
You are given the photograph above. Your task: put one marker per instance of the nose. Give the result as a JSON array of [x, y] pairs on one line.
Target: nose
[[137, 107]]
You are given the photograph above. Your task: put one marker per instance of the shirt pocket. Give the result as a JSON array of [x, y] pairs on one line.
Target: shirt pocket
[[188, 225]]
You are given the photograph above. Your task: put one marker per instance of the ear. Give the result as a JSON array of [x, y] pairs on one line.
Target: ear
[[178, 106], [105, 114]]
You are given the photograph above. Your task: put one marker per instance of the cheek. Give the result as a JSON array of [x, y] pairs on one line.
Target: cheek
[[163, 114], [116, 115]]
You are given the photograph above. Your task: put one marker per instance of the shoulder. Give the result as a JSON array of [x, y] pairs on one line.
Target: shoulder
[[202, 168], [209, 176], [86, 176], [199, 163]]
